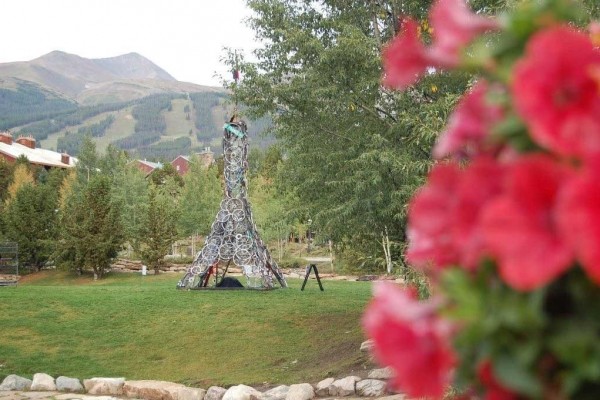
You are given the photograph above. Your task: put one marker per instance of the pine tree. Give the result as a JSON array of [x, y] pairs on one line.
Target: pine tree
[[91, 232], [30, 220], [101, 233], [159, 231]]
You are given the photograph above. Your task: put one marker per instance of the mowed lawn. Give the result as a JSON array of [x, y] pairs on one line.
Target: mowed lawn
[[143, 328]]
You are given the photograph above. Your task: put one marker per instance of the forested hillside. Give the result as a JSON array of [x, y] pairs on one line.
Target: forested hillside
[[126, 101], [159, 126], [28, 102]]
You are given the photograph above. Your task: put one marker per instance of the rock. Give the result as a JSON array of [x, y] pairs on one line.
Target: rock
[[189, 393], [371, 388], [70, 396], [161, 390], [382, 373], [367, 345], [242, 392], [215, 393], [66, 384], [323, 387], [302, 391], [277, 393], [104, 386], [344, 387], [43, 383], [15, 382]]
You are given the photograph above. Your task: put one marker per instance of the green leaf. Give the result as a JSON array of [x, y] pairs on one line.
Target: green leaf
[[514, 375]]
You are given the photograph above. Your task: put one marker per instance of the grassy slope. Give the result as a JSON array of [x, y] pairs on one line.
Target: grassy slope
[[142, 328], [120, 128], [177, 125]]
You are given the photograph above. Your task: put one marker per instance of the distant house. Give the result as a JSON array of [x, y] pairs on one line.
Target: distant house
[[147, 166], [25, 146], [181, 165]]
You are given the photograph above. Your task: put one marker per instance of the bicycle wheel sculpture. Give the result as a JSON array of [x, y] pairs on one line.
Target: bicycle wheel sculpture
[[233, 237]]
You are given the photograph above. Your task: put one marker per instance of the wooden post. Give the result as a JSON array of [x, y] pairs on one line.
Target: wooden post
[[308, 269]]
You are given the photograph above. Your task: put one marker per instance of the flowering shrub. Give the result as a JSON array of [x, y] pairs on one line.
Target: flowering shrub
[[508, 222]]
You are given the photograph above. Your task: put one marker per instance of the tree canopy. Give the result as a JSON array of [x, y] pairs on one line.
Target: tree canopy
[[354, 151]]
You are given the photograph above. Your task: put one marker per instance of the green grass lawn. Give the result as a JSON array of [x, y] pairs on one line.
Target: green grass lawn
[[143, 328]]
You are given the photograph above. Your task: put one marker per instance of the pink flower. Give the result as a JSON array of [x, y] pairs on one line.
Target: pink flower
[[431, 219], [408, 337], [444, 216], [454, 27], [494, 391], [469, 126], [481, 183], [404, 58], [556, 93], [579, 218], [520, 226]]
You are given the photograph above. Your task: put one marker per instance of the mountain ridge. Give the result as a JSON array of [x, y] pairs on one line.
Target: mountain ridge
[[96, 80]]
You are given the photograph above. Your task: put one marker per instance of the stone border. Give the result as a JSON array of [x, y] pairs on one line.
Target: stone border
[[375, 386]]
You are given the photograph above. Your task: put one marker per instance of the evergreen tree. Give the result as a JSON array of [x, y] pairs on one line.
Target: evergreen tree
[[91, 231], [6, 178], [100, 234], [30, 220], [160, 176], [159, 230]]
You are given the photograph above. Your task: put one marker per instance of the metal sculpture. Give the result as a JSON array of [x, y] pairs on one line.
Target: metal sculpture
[[233, 236]]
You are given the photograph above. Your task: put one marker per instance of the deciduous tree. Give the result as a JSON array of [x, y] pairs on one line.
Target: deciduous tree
[[355, 151]]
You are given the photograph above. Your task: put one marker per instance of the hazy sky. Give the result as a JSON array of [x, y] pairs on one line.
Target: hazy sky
[[184, 37]]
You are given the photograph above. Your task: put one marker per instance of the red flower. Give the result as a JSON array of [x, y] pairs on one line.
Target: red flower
[[469, 125], [454, 27], [494, 390], [520, 227], [405, 58], [408, 337], [579, 218], [431, 219], [444, 216], [481, 183], [556, 93]]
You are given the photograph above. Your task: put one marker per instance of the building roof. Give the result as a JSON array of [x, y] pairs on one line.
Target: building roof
[[37, 156], [151, 164]]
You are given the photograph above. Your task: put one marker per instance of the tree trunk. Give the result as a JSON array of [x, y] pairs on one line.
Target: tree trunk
[[385, 242]]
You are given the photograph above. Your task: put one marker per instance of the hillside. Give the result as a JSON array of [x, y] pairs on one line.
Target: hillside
[[127, 101]]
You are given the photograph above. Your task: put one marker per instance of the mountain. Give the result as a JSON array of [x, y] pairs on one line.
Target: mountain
[[133, 66], [126, 101], [93, 81]]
